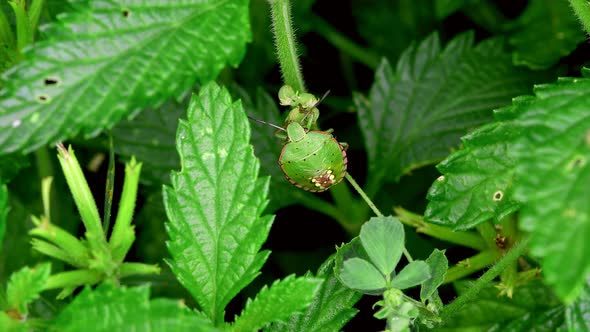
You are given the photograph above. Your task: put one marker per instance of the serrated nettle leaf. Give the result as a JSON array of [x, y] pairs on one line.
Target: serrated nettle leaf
[[545, 32], [477, 180], [577, 313], [280, 301], [411, 275], [109, 60], [417, 113], [25, 286], [383, 240], [215, 202], [150, 138], [438, 266], [553, 169], [330, 310], [362, 275], [112, 308], [488, 309], [267, 146]]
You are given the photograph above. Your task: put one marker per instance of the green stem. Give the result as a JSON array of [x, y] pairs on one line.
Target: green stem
[[346, 204], [454, 307], [43, 161], [109, 187], [285, 43], [373, 207], [465, 239], [488, 233], [582, 10], [344, 44], [472, 264]]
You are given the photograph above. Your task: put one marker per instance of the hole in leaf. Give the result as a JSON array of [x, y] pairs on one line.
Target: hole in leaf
[[48, 81], [126, 13], [43, 99], [498, 195]]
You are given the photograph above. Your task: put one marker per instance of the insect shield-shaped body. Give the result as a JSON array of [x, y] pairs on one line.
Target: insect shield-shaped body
[[313, 160]]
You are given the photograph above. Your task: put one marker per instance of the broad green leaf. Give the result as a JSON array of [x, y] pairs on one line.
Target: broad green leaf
[[390, 26], [577, 314], [489, 310], [438, 264], [112, 308], [545, 32], [267, 147], [215, 202], [280, 301], [150, 138], [113, 58], [361, 275], [25, 285], [553, 170], [477, 180], [411, 275], [444, 8], [331, 309], [3, 211], [549, 320], [383, 240], [416, 115]]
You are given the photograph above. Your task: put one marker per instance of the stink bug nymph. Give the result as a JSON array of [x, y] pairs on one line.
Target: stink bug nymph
[[311, 160]]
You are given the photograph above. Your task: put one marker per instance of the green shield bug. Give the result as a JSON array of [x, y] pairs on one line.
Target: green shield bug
[[311, 160]]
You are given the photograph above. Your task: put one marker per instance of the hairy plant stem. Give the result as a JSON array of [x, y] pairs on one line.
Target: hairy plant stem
[[344, 44], [285, 44], [472, 264], [454, 307], [582, 10], [373, 207]]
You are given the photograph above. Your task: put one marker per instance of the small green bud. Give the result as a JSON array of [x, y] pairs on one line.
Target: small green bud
[[287, 95]]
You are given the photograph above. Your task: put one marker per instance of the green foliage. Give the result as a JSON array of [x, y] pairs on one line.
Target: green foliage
[[444, 8], [383, 240], [330, 310], [134, 311], [545, 32], [10, 165], [438, 264], [576, 313], [53, 94], [3, 212], [415, 115], [24, 287], [278, 302], [215, 202]]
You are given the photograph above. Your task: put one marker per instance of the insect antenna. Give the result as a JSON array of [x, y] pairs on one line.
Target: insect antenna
[[266, 123], [321, 99]]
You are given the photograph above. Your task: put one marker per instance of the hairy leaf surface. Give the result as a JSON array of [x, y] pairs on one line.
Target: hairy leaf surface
[[25, 286], [113, 58], [417, 113], [110, 309], [330, 310], [547, 31], [281, 300], [215, 202]]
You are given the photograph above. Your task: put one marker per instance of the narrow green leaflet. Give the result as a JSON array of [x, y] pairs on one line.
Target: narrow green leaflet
[[416, 115], [477, 180], [113, 58], [383, 240], [438, 264], [112, 308], [553, 172], [267, 147], [280, 301], [150, 138], [3, 211], [577, 314], [489, 310], [331, 309], [25, 285], [546, 31], [411, 275], [215, 202]]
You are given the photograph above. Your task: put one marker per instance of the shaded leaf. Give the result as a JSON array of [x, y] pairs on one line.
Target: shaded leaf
[[411, 275], [438, 264], [331, 309], [545, 32], [10, 165], [477, 180], [415, 115], [383, 240], [215, 202], [577, 315], [113, 58], [444, 8], [3, 212], [110, 308], [25, 286], [553, 168], [280, 301]]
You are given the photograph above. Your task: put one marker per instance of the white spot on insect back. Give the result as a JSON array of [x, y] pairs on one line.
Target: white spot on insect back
[[222, 153], [16, 123]]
